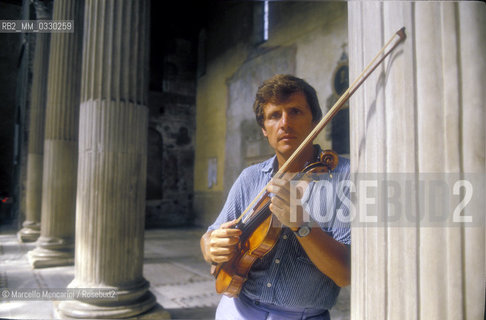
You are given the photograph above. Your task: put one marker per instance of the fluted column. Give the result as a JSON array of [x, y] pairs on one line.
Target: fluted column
[[55, 246], [420, 116], [110, 203], [31, 226]]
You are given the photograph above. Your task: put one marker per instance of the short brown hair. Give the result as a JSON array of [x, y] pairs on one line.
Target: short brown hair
[[278, 89]]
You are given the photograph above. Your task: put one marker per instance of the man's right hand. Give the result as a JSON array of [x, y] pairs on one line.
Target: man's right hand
[[220, 245]]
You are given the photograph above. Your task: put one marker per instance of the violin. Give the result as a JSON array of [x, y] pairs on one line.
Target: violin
[[261, 229], [259, 235]]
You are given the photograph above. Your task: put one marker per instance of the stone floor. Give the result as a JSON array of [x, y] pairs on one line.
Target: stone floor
[[173, 265]]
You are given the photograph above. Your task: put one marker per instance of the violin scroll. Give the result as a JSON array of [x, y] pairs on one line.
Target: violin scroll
[[330, 159]]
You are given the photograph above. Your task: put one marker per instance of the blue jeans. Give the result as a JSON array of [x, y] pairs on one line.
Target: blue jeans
[[242, 308]]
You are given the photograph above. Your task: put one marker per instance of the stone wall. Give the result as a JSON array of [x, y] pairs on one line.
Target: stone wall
[[171, 136]]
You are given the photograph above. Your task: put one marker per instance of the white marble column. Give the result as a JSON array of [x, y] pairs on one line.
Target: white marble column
[[31, 226], [55, 246], [421, 113], [110, 202]]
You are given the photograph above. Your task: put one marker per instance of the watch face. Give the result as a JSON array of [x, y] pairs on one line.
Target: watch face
[[303, 231]]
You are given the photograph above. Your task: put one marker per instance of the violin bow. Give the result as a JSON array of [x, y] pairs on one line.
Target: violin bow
[[334, 110]]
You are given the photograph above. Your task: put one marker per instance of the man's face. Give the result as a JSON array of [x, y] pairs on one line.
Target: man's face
[[287, 124]]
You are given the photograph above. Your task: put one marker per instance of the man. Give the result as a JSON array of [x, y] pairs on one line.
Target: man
[[300, 278]]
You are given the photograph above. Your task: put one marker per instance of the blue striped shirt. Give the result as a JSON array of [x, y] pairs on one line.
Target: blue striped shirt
[[286, 276]]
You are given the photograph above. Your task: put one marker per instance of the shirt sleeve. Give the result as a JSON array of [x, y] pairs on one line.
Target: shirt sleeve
[[234, 204], [328, 202]]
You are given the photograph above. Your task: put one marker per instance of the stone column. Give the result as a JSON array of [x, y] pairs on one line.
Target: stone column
[[55, 246], [422, 113], [110, 202], [31, 226]]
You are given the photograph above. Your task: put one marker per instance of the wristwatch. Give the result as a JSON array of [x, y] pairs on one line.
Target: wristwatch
[[303, 230]]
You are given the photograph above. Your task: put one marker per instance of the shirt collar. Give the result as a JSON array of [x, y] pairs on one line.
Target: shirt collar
[[270, 165]]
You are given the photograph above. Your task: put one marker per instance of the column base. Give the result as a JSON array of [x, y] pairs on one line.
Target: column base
[[45, 258], [52, 252], [133, 303], [30, 232], [144, 308]]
